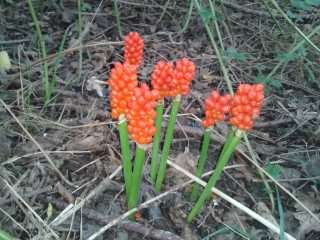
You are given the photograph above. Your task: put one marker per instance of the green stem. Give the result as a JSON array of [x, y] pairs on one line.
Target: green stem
[[201, 162], [167, 142], [125, 152], [213, 12], [215, 47], [186, 24], [43, 50], [294, 49], [5, 236], [223, 160], [79, 3], [228, 140], [136, 177], [117, 14], [156, 142]]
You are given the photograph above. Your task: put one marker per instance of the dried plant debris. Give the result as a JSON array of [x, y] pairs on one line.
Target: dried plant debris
[[307, 224]]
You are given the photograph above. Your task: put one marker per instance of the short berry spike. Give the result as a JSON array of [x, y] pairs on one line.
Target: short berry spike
[[122, 82], [216, 107], [142, 114], [133, 49], [183, 74], [246, 105], [162, 79]]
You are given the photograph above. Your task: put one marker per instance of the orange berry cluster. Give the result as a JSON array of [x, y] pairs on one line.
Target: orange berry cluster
[[170, 81], [122, 82], [162, 79], [216, 106], [138, 103], [246, 105], [141, 115], [183, 74], [133, 48]]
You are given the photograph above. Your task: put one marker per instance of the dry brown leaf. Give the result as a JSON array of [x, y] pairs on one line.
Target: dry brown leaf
[[308, 224], [186, 160]]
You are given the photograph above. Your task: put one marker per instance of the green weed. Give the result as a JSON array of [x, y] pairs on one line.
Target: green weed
[[43, 50]]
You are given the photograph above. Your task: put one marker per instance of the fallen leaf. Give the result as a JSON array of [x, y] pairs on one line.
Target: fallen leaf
[[5, 63], [94, 84]]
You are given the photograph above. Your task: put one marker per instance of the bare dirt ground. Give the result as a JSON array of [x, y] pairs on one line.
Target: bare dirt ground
[[63, 153]]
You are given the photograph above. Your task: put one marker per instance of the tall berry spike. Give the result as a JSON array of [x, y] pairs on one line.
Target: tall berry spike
[[246, 105], [122, 82], [184, 72], [133, 49], [216, 106], [162, 79], [141, 114]]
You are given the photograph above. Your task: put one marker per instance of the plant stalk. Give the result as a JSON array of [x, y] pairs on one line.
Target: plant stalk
[[125, 153], [216, 48], [117, 15], [136, 178], [5, 236], [156, 142], [228, 140], [305, 37], [189, 14], [167, 142], [223, 160], [228, 82], [47, 88], [80, 27], [201, 162]]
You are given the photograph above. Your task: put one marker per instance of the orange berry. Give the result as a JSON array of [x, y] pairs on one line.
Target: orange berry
[[141, 114], [133, 49], [162, 79], [246, 105], [172, 80], [216, 106], [122, 81], [184, 72]]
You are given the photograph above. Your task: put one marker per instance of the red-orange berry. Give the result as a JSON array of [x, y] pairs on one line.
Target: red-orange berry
[[246, 105], [122, 82], [133, 49], [171, 80], [216, 107], [141, 114], [162, 79], [184, 72]]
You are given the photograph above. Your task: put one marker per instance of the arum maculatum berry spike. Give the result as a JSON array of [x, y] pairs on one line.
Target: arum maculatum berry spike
[[167, 143], [161, 80], [245, 107], [216, 107], [141, 117], [141, 114], [133, 49], [182, 76], [184, 72], [122, 82]]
